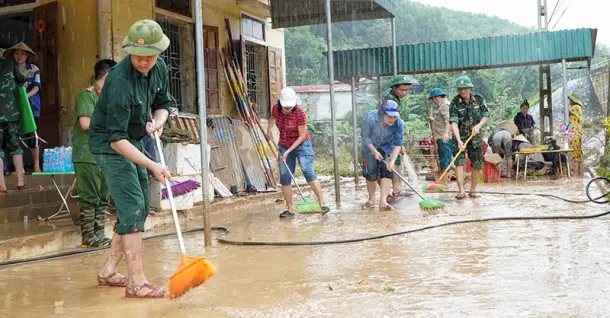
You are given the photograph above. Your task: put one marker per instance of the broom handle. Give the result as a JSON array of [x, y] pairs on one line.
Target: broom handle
[[405, 181], [456, 156], [293, 179], [170, 195]]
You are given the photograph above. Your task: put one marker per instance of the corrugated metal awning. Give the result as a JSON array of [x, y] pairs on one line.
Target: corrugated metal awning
[[495, 52], [293, 13]]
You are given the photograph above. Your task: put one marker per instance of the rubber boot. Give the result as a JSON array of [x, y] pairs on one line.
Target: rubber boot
[[87, 230], [99, 227]]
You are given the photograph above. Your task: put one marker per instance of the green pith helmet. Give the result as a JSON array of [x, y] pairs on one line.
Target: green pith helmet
[[145, 38], [463, 82], [401, 80], [575, 98]]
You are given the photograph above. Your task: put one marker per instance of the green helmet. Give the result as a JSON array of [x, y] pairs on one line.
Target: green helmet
[[463, 82], [145, 38], [401, 80]]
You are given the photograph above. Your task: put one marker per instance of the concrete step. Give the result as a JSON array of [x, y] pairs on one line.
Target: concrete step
[[33, 239]]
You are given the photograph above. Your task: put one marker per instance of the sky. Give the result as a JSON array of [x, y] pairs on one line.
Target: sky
[[579, 13]]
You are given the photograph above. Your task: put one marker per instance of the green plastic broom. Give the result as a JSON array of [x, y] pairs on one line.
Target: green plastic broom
[[304, 207], [424, 204]]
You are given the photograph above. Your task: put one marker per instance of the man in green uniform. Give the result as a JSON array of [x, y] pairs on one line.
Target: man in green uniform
[[398, 92], [9, 121], [91, 186], [468, 114], [136, 86]]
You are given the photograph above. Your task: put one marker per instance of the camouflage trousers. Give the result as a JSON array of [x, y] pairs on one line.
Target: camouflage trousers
[[93, 201], [474, 149], [9, 139]]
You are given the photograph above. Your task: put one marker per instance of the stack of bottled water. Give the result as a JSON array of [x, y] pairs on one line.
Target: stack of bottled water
[[58, 159]]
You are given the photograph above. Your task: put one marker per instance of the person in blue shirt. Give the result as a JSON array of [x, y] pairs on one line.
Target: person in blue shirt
[[382, 137], [524, 121]]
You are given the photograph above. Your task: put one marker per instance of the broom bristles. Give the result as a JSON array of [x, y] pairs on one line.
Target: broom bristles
[[431, 205], [181, 188], [308, 208], [192, 272]]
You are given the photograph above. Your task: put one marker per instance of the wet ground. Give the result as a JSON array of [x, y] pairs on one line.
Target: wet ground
[[517, 268]]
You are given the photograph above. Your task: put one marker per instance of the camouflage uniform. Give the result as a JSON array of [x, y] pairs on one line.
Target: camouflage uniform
[[9, 110], [466, 116], [389, 95], [91, 185]]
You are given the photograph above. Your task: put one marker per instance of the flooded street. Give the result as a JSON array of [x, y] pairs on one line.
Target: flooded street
[[494, 269]]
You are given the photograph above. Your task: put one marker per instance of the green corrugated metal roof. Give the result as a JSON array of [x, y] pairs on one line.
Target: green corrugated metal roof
[[503, 51], [292, 13]]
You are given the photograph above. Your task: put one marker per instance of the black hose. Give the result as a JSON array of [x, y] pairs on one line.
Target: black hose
[[225, 231]]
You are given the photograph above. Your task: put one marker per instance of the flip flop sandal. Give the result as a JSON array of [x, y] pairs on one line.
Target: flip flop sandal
[[392, 199], [387, 208], [368, 206], [286, 213], [460, 196], [22, 187], [325, 209], [106, 281], [474, 196], [155, 292]]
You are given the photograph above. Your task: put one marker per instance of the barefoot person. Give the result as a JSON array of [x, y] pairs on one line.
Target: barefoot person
[[468, 114], [294, 144], [9, 121], [91, 185], [24, 57], [137, 85], [381, 140]]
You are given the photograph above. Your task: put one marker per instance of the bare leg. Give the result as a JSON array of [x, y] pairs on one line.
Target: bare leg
[[287, 192], [18, 163], [371, 187], [476, 175], [36, 159], [317, 190], [2, 182], [132, 247], [460, 180], [115, 254], [396, 182], [509, 166], [386, 186]]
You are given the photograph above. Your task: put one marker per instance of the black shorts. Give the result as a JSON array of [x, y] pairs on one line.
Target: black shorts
[[30, 138]]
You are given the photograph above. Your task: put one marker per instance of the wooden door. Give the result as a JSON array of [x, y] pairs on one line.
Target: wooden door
[[46, 45], [276, 74]]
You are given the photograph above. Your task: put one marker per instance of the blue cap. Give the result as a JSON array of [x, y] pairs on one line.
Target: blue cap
[[390, 108], [436, 92]]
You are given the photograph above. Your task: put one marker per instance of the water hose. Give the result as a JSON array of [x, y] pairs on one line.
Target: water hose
[[224, 231]]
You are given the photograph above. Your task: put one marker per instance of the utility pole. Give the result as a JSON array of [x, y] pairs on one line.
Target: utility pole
[[544, 79]]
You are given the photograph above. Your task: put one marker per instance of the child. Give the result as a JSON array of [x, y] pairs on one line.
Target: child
[[24, 57]]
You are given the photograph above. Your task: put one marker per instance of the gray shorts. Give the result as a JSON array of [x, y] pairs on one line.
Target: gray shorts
[[502, 143]]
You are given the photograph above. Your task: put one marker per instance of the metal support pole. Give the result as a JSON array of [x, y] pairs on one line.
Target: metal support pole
[[203, 128], [355, 130], [394, 56], [331, 83], [566, 103]]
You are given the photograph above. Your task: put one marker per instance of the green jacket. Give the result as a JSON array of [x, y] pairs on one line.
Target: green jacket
[[125, 105], [85, 103], [9, 74]]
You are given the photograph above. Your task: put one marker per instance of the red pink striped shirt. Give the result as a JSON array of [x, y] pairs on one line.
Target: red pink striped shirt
[[288, 124]]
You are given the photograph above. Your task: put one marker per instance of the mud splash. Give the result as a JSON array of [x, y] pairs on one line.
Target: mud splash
[[483, 269]]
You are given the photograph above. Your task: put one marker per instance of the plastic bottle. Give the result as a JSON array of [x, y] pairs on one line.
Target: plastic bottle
[[69, 164], [45, 160]]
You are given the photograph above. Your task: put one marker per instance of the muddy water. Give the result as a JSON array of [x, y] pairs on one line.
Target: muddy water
[[534, 268]]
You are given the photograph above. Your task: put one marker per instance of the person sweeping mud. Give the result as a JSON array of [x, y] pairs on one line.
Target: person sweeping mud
[[398, 93], [468, 114], [91, 185], [381, 140], [441, 129], [134, 87], [295, 143]]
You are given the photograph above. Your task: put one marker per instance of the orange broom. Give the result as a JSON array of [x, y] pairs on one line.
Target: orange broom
[[192, 271], [437, 185]]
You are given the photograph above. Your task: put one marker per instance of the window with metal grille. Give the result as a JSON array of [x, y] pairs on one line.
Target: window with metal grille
[[255, 63], [252, 27], [212, 72], [182, 7], [172, 59]]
